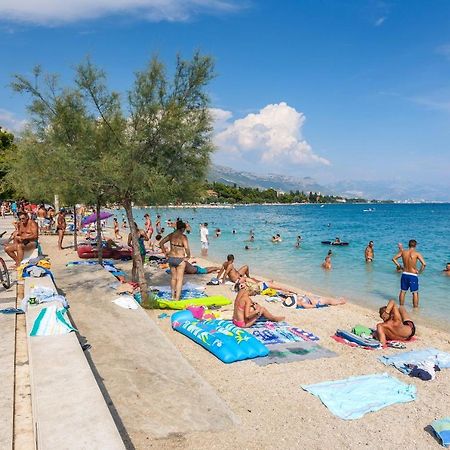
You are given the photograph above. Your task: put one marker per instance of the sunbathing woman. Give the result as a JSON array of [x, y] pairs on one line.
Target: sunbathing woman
[[309, 302], [396, 324], [247, 312], [177, 255]]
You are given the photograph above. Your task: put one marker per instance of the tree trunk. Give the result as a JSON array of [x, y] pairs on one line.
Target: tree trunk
[[99, 234], [138, 267], [75, 228]]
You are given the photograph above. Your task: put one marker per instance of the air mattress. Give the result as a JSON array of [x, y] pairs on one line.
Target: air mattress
[[334, 243], [371, 343], [216, 300], [220, 337]]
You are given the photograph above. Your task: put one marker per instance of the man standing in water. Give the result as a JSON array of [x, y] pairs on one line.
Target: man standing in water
[[369, 253], [204, 241], [410, 275]]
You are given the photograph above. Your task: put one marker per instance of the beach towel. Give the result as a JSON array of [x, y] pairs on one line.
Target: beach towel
[[404, 360], [126, 301], [270, 333], [185, 294], [442, 429], [294, 351], [354, 397], [51, 321], [186, 286]]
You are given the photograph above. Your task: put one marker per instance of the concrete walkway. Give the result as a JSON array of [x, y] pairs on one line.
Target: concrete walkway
[[152, 391], [7, 349], [69, 411]]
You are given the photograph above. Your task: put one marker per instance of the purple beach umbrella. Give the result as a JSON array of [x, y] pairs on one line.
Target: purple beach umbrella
[[93, 217]]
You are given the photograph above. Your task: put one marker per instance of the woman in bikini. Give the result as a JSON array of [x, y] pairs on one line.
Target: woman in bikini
[[177, 256], [247, 312], [148, 225]]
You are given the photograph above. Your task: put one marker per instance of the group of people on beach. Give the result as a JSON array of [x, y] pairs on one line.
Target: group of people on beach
[[396, 323]]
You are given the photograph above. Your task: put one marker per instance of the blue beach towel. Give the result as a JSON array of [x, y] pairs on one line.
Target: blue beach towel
[[442, 429], [354, 397], [402, 360]]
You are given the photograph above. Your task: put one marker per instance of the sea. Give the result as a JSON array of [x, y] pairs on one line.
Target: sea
[[351, 277]]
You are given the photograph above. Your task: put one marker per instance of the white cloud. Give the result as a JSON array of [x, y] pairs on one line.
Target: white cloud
[[55, 12], [272, 136], [9, 121]]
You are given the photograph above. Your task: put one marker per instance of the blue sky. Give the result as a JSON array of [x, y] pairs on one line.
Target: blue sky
[[330, 89]]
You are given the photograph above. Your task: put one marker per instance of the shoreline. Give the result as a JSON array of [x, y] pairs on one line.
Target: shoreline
[[426, 322]]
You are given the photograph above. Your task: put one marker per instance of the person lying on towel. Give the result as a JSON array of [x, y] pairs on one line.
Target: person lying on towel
[[246, 311], [194, 269], [396, 325]]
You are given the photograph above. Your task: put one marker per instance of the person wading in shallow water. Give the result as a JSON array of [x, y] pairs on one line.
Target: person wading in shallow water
[[410, 273], [369, 253]]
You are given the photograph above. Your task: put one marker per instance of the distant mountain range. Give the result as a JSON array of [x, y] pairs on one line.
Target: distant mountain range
[[380, 190]]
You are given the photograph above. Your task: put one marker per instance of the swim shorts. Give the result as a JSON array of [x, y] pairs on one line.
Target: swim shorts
[[205, 245], [409, 281], [201, 270]]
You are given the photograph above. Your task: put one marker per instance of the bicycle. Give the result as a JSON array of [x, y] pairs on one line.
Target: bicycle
[[4, 274]]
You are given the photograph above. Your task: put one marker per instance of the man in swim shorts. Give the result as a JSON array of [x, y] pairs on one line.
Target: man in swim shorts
[[229, 271], [396, 324], [410, 273], [204, 241], [369, 253], [247, 312]]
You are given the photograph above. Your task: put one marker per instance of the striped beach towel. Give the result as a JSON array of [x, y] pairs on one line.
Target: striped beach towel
[[52, 321]]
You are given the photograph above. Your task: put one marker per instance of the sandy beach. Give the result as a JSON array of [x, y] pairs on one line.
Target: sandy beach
[[273, 411]]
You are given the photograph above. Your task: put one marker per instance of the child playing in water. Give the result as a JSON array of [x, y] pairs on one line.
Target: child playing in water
[[247, 312]]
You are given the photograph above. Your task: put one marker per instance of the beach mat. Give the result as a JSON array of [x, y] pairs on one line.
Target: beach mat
[[270, 333], [354, 397], [294, 351]]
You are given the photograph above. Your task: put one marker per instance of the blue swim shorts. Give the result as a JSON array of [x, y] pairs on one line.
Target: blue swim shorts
[[201, 270], [409, 281]]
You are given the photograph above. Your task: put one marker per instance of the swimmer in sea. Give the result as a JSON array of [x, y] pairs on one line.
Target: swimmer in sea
[[337, 241], [369, 253], [298, 241], [396, 324], [276, 238], [218, 232], [327, 263], [447, 269], [234, 231]]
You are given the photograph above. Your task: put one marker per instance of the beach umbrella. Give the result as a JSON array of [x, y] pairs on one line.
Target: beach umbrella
[[93, 217]]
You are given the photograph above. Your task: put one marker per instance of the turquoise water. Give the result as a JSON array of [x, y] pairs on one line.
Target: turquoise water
[[367, 284]]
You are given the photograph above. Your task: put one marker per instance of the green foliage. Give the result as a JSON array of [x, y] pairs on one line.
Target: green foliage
[[236, 194], [7, 146]]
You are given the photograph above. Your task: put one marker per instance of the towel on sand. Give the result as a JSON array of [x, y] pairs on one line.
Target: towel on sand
[[442, 429], [52, 321], [279, 333], [355, 396], [294, 351], [126, 301], [403, 360]]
